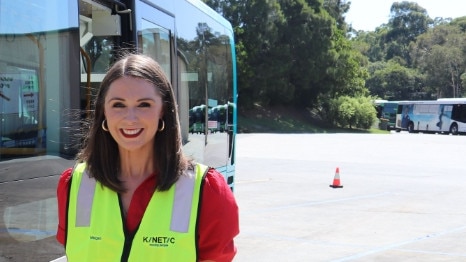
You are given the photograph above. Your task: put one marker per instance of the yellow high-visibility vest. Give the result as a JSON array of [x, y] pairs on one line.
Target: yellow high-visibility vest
[[167, 232]]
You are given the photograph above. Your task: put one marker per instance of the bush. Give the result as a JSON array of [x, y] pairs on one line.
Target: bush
[[352, 112]]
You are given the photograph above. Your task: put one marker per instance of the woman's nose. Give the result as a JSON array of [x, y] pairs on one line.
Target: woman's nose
[[131, 114]]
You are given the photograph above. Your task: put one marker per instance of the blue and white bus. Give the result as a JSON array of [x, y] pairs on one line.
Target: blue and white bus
[[53, 56], [447, 116]]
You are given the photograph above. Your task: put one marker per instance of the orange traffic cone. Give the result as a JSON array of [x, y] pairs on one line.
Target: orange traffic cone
[[336, 180]]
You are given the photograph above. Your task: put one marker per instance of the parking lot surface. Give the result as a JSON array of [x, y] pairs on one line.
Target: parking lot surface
[[402, 197]]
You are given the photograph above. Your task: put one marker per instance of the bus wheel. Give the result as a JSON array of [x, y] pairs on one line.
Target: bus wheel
[[411, 127], [454, 129]]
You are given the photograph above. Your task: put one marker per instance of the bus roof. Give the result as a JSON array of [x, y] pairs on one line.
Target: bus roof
[[383, 103], [452, 99], [441, 101]]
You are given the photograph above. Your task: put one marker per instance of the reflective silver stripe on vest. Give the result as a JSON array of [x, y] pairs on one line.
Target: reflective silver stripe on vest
[[182, 203], [84, 202]]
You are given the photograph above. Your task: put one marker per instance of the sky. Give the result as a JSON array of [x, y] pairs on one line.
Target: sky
[[368, 14]]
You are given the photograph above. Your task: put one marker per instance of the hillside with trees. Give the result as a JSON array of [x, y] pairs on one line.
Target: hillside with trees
[[302, 55]]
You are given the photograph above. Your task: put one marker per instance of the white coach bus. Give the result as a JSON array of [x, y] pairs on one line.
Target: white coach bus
[[446, 116]]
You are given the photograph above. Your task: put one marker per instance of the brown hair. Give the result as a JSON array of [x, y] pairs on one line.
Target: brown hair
[[100, 150]]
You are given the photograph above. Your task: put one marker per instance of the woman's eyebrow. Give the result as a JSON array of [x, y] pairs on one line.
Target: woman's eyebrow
[[139, 100]]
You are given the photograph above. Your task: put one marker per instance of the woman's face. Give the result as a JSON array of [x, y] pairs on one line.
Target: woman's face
[[133, 109]]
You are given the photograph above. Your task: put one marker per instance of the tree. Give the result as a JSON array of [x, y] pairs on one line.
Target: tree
[[393, 81], [440, 55], [407, 21], [307, 34], [337, 9], [370, 44], [301, 53], [262, 59]]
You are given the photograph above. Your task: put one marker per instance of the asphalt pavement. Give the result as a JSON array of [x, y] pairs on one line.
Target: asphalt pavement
[[402, 197]]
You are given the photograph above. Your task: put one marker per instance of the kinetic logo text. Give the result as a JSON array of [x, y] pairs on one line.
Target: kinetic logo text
[[159, 241]]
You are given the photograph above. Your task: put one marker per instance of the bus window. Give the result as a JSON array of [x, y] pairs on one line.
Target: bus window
[[459, 113], [36, 80], [154, 41], [99, 31]]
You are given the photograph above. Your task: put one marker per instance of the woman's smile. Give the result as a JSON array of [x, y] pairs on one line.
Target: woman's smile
[[131, 133]]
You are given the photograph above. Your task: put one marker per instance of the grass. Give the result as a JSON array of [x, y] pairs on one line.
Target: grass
[[288, 120]]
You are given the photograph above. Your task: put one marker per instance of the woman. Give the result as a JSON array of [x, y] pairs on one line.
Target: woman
[[133, 196]]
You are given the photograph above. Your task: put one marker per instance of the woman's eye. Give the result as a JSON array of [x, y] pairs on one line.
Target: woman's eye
[[144, 104], [118, 105]]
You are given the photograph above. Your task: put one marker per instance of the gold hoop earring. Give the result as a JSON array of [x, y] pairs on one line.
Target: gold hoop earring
[[163, 126], [103, 125]]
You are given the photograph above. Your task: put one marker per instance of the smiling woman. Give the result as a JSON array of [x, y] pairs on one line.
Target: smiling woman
[[132, 180]]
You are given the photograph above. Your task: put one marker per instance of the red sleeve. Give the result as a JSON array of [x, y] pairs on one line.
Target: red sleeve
[[218, 222], [62, 198]]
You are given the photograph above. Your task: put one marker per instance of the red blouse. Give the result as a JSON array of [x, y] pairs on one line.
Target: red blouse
[[218, 222]]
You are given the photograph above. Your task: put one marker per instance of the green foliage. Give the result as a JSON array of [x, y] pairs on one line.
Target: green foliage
[[301, 53], [407, 21], [393, 81], [440, 54], [290, 52], [414, 56], [352, 112]]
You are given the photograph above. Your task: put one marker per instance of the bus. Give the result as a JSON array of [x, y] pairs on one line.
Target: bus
[[386, 113], [444, 116], [53, 56]]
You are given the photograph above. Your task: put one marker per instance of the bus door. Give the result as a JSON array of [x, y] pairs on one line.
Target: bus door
[[155, 35], [156, 38]]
